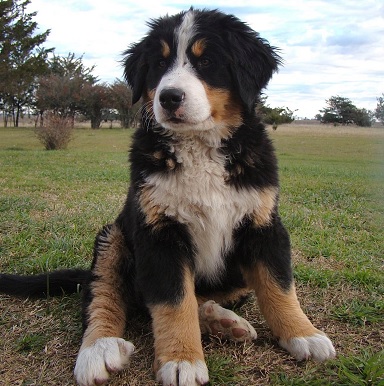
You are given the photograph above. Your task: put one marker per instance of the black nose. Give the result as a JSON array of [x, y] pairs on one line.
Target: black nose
[[171, 98]]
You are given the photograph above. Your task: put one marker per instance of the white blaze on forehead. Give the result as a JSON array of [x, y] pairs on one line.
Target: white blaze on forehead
[[195, 110], [184, 34]]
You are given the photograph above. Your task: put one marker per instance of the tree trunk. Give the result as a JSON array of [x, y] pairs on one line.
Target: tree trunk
[[17, 115], [95, 122], [125, 121]]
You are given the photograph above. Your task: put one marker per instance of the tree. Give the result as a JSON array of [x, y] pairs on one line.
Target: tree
[[71, 67], [110, 115], [121, 96], [379, 111], [274, 115], [363, 118], [59, 94], [22, 58], [342, 111], [63, 90], [95, 100]]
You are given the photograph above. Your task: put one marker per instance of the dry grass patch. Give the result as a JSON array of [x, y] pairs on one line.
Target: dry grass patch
[[312, 130], [53, 330], [39, 340]]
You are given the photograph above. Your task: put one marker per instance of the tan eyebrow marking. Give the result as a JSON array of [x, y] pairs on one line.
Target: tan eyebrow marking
[[198, 47], [165, 50]]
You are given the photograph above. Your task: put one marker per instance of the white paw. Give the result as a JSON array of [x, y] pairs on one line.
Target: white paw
[[183, 373], [318, 347], [220, 321], [95, 363]]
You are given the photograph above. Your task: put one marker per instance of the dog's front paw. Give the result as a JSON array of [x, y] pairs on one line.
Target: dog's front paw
[[183, 373], [317, 346], [106, 356]]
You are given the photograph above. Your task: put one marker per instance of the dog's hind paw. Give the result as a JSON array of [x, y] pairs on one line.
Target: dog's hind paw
[[106, 356], [317, 346], [183, 373], [224, 323]]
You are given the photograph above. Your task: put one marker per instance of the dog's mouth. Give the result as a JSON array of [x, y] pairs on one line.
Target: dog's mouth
[[176, 120], [182, 124]]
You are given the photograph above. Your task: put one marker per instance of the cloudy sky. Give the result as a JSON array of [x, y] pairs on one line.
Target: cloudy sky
[[329, 47]]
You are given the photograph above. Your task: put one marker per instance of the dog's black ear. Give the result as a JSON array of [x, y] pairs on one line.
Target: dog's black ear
[[253, 63], [135, 69]]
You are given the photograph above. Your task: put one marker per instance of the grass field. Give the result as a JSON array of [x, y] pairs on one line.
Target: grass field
[[332, 202]]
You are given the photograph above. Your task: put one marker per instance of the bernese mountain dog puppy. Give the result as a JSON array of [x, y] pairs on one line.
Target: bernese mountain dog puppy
[[200, 226]]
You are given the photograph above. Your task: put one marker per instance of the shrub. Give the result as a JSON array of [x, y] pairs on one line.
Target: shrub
[[56, 131]]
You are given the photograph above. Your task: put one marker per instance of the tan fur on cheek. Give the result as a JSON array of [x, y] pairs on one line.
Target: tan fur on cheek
[[224, 108], [106, 312], [280, 308], [151, 94], [176, 328], [148, 98]]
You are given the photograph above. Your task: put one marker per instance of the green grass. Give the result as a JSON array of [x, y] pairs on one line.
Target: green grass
[[332, 201], [359, 313], [366, 369], [52, 203], [222, 371], [31, 343]]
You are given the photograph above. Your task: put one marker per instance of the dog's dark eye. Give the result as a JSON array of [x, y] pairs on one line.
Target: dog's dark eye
[[204, 62], [162, 63]]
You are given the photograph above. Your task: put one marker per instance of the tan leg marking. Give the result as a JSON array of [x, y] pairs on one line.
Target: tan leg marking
[[107, 310], [176, 328], [280, 308]]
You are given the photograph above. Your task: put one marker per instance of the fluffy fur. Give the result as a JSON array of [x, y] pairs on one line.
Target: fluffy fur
[[200, 221]]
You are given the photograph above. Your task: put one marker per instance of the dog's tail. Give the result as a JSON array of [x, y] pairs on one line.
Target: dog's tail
[[55, 283]]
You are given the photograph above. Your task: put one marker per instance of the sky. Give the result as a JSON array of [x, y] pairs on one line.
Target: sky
[[329, 47]]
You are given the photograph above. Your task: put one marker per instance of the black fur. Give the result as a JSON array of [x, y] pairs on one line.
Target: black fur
[[46, 284], [269, 245], [250, 149]]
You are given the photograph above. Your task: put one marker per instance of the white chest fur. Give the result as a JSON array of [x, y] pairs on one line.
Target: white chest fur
[[197, 195]]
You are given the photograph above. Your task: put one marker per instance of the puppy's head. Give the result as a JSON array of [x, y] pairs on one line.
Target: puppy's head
[[199, 70]]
